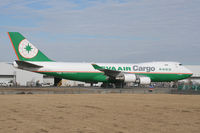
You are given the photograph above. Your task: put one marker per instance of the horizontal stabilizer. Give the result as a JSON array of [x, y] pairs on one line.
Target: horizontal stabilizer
[[22, 64]]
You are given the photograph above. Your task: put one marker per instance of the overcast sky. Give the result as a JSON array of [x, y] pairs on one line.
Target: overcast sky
[[125, 31]]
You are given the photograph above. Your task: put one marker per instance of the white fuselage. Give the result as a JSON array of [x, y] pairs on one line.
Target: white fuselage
[[151, 67]]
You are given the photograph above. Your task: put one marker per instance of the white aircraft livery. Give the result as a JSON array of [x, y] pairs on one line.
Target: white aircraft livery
[[32, 59]]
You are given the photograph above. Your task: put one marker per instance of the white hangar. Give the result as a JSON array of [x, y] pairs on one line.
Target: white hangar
[[9, 74]]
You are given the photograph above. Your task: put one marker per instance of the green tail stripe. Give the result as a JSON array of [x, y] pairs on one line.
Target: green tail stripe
[[24, 50]]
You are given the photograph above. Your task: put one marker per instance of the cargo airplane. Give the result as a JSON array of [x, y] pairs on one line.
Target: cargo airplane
[[32, 59]]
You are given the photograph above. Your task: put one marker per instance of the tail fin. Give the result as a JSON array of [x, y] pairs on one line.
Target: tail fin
[[24, 50]]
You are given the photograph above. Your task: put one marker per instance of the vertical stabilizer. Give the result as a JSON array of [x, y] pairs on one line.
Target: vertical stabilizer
[[24, 50]]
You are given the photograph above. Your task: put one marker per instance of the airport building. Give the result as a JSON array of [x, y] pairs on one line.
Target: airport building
[[11, 76]]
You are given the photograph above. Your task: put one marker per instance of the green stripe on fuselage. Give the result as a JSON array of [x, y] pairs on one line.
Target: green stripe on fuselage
[[165, 77], [79, 76], [100, 77]]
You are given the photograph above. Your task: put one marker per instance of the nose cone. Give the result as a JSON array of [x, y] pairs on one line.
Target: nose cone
[[188, 72]]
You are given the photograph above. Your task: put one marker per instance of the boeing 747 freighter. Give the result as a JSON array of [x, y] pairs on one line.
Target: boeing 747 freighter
[[31, 59]]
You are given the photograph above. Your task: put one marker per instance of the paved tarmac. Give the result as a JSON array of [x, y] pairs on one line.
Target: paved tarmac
[[80, 90]]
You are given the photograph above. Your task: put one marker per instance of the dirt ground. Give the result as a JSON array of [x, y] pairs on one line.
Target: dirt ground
[[100, 113]]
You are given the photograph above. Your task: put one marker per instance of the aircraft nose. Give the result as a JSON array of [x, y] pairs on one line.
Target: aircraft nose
[[189, 71]]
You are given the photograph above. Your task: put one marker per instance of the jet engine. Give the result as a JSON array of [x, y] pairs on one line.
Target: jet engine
[[144, 80], [129, 78], [126, 77], [133, 78]]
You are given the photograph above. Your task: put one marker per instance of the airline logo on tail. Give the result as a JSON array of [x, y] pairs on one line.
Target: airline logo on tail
[[24, 50], [27, 50]]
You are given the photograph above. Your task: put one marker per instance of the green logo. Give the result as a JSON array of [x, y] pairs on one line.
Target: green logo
[[28, 48]]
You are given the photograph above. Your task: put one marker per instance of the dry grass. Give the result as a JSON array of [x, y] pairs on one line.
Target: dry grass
[[101, 113]]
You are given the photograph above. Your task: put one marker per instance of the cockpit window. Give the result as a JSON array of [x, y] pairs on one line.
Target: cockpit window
[[180, 64]]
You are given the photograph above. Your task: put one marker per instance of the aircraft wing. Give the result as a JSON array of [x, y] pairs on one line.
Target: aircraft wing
[[25, 64], [108, 72]]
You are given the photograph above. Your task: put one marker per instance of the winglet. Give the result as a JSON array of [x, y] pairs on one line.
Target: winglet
[[97, 67]]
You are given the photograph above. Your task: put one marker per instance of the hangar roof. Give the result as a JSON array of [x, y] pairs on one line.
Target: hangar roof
[[6, 69]]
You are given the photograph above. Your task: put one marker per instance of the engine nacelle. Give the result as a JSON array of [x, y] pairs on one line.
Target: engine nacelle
[[126, 78], [144, 80], [129, 78]]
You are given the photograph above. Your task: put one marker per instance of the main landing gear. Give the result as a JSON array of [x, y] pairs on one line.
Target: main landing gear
[[113, 85]]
